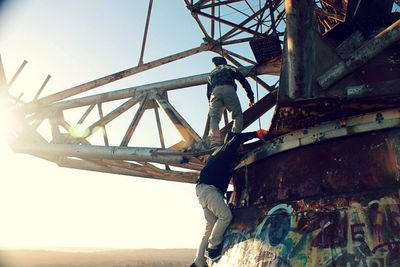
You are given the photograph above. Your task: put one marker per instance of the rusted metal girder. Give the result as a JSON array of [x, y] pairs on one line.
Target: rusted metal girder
[[233, 54], [188, 134], [233, 25], [325, 131], [272, 68], [300, 32], [134, 123], [255, 78], [212, 24], [159, 127], [113, 77], [11, 82], [103, 128], [145, 32], [200, 3], [101, 152], [41, 88], [362, 55], [176, 176], [112, 115], [256, 111], [219, 3]]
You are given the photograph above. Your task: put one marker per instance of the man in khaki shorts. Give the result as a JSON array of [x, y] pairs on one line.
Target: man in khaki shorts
[[221, 93], [211, 186]]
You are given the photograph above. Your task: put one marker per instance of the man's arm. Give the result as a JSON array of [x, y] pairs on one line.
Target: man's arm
[[245, 84], [209, 91], [239, 139]]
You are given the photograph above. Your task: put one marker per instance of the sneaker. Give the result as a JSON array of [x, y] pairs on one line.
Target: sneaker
[[215, 141], [215, 146], [194, 265], [215, 253]]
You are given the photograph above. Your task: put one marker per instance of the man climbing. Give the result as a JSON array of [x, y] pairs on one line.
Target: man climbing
[[221, 94], [211, 186]]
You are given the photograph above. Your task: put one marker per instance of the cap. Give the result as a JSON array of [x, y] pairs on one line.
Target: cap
[[219, 61]]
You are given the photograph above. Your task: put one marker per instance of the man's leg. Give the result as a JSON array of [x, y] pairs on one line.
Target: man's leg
[[200, 259], [218, 207], [215, 113], [232, 104]]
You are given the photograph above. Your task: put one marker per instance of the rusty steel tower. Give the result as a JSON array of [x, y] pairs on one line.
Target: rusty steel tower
[[323, 190]]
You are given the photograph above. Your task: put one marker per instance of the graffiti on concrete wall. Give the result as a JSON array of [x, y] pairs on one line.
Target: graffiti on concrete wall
[[345, 232]]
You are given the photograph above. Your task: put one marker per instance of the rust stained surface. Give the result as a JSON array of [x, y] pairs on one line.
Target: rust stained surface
[[334, 203], [361, 163], [308, 113]]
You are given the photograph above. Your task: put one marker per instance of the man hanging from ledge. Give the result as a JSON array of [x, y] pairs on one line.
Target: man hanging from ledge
[[211, 186], [221, 93]]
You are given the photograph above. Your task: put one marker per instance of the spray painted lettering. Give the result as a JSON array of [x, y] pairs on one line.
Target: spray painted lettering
[[355, 232]]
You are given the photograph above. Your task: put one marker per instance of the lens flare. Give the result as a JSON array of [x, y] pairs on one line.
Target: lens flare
[[79, 131]]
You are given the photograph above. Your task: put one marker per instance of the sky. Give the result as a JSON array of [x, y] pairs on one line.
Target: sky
[[46, 206]]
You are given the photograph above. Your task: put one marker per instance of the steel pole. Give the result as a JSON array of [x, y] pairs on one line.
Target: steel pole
[[300, 47], [17, 73], [101, 152], [117, 76], [145, 32], [42, 87], [270, 68]]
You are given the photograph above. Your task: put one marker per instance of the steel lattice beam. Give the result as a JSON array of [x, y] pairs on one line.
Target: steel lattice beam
[[239, 22]]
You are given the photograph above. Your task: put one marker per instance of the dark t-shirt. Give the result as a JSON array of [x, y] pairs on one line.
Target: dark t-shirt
[[219, 168]]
